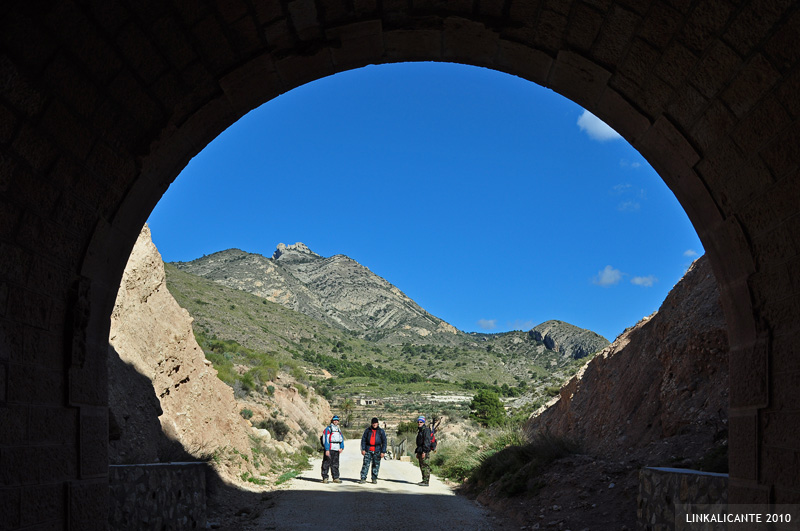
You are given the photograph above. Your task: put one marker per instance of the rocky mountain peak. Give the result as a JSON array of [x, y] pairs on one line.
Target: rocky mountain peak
[[299, 252], [567, 339]]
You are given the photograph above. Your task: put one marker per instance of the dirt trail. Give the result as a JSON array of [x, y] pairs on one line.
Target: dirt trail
[[395, 502]]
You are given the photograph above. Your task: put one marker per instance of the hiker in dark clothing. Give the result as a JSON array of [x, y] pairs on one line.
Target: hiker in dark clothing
[[423, 451], [373, 448]]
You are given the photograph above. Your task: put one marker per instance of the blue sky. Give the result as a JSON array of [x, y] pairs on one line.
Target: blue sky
[[494, 203]]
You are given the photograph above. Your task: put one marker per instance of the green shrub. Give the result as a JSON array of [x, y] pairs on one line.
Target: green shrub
[[277, 428], [246, 414]]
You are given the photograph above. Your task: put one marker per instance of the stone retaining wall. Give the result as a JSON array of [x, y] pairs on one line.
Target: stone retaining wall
[[665, 491], [157, 496]]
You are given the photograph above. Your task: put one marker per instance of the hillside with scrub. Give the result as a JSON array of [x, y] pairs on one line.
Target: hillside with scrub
[[248, 337]]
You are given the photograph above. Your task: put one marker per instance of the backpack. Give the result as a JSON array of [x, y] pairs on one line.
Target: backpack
[[433, 440]]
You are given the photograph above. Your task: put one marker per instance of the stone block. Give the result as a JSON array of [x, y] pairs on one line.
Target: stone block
[[781, 429], [93, 442], [777, 244], [252, 84], [10, 507], [405, 458], [360, 43], [88, 385], [3, 383], [523, 61], [659, 24], [708, 20], [43, 503], [305, 19], [766, 120], [468, 41], [88, 505], [279, 35], [781, 155], [57, 462], [614, 41], [413, 45], [578, 79], [365, 6], [67, 130], [750, 85], [743, 445], [786, 356], [491, 8], [638, 64], [170, 496], [584, 26], [52, 425], [748, 493], [18, 465], [14, 420], [550, 28], [780, 466], [298, 70], [753, 23], [32, 146], [749, 376], [626, 118], [687, 106], [212, 43], [34, 385]]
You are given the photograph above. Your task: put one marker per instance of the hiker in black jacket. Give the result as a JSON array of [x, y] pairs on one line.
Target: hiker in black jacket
[[423, 450], [373, 448]]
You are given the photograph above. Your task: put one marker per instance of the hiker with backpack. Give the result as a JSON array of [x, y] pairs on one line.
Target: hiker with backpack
[[332, 444], [423, 451], [373, 448]]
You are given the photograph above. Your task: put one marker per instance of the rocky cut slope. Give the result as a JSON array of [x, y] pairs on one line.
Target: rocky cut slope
[[166, 399], [665, 376], [337, 291]]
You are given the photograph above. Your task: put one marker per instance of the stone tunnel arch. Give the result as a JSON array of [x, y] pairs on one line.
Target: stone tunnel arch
[[103, 103]]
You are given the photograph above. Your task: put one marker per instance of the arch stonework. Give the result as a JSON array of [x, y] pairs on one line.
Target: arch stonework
[[102, 104]]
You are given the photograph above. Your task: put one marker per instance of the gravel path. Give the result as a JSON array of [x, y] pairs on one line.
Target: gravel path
[[395, 502]]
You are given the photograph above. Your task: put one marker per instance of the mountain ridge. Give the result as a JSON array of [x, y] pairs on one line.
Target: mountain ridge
[[340, 292], [336, 290]]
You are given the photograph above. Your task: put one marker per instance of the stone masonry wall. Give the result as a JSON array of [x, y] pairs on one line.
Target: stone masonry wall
[[157, 496], [664, 491]]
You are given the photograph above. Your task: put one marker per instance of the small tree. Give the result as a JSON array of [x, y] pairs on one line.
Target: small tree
[[347, 411], [487, 408]]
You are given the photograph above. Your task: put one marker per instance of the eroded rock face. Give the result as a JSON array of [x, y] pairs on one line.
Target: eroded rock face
[[336, 290], [161, 387], [567, 339], [666, 375]]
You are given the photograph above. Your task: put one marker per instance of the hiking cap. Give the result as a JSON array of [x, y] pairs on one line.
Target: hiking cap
[[335, 417], [421, 419], [374, 420]]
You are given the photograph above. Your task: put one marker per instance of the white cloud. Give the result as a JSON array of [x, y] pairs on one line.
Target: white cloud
[[629, 206], [645, 282], [628, 164], [608, 277], [487, 324], [519, 324], [596, 128], [690, 253]]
